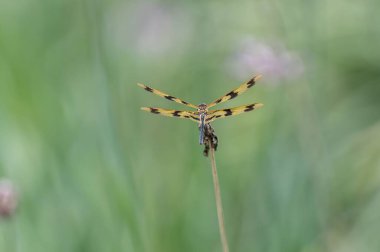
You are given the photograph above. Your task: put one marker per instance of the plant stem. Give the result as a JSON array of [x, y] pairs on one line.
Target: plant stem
[[218, 199]]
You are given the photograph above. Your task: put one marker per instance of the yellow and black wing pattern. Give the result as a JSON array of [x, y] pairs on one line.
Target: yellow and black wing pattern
[[166, 96], [221, 113], [234, 93], [211, 115], [173, 113]]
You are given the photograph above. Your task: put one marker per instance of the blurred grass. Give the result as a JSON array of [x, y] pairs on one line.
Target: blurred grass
[[94, 173]]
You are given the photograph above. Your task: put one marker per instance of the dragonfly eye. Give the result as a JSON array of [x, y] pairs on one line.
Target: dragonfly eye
[[202, 107]]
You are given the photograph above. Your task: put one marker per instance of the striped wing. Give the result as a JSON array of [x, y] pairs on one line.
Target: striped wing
[[166, 96], [221, 113], [173, 113], [234, 93]]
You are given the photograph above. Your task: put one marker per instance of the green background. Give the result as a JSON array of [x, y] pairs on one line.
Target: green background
[[95, 173]]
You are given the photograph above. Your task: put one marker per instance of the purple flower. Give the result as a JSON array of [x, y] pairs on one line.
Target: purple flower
[[272, 61], [8, 198]]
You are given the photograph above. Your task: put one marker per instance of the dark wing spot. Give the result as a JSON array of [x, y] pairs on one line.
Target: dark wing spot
[[148, 89], [183, 102], [217, 116], [154, 111], [219, 100], [210, 118], [169, 97], [251, 82], [249, 108], [186, 116], [228, 112], [176, 113], [232, 94], [195, 118]]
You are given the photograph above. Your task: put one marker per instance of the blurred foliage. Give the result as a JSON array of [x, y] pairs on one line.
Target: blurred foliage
[[94, 173]]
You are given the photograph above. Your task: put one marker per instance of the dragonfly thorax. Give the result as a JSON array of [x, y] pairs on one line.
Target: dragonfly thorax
[[202, 112]]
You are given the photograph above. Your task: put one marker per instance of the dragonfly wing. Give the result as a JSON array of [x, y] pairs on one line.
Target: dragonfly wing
[[221, 113], [166, 96], [173, 113], [234, 93]]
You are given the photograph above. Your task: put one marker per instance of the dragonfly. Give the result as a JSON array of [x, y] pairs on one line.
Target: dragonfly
[[202, 115]]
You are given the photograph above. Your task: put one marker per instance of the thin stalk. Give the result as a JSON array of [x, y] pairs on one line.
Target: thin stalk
[[218, 199]]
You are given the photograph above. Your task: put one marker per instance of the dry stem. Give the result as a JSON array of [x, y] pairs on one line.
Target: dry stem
[[218, 199]]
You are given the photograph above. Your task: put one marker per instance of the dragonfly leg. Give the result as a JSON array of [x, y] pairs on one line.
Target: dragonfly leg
[[210, 139]]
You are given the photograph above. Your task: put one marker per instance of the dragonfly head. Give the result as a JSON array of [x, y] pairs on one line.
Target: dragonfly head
[[202, 108]]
